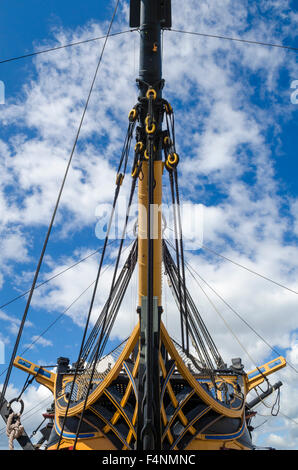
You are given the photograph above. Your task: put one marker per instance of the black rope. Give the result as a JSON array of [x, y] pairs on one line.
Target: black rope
[[57, 319], [119, 179], [117, 296], [198, 318], [249, 270], [31, 54], [78, 364], [197, 328], [55, 276], [99, 348], [113, 315], [52, 221], [37, 429], [173, 174], [177, 258], [236, 39], [192, 270], [181, 255], [28, 382], [175, 289]]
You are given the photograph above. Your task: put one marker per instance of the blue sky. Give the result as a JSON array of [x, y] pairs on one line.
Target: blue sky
[[237, 137]]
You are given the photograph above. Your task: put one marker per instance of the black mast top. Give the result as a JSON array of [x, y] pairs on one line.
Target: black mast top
[[151, 16]]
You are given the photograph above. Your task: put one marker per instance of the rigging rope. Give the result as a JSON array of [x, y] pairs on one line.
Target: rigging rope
[[177, 261], [289, 364], [181, 255], [32, 54], [3, 430], [277, 401], [53, 217], [250, 270], [60, 316], [172, 160], [236, 39], [106, 328], [189, 267], [14, 428], [226, 323], [55, 275], [3, 61], [197, 326], [117, 296], [70, 305], [119, 180], [118, 184]]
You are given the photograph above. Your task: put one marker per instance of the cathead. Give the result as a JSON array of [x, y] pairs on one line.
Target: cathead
[[151, 392]]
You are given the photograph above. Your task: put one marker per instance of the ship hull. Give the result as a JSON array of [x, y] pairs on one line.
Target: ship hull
[[197, 412]]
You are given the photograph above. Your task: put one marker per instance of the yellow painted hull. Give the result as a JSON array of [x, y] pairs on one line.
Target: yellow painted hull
[[193, 416], [199, 411]]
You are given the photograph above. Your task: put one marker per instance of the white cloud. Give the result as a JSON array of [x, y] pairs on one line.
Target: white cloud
[[41, 341]]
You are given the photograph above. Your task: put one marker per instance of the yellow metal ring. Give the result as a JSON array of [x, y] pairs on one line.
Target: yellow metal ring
[[151, 93], [168, 108], [134, 172], [146, 155], [132, 115], [139, 146], [167, 140], [173, 159], [168, 166], [152, 129]]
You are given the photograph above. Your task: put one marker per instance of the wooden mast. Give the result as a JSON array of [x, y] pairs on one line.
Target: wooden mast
[[150, 16]]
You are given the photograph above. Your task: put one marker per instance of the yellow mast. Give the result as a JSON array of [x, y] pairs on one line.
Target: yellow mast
[[157, 232]]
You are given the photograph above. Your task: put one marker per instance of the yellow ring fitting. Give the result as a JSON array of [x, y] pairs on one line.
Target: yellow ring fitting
[[139, 146], [134, 172], [132, 115], [173, 159], [146, 155], [152, 129], [168, 108], [119, 179], [168, 166], [151, 92], [167, 140]]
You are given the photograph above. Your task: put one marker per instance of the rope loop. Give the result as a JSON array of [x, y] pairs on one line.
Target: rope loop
[[168, 108], [139, 147], [14, 428], [168, 166], [147, 154], [151, 93], [132, 116], [150, 125], [172, 160], [17, 400], [167, 142], [135, 169]]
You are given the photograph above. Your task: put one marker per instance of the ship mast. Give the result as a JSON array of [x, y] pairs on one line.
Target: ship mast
[[150, 16]]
